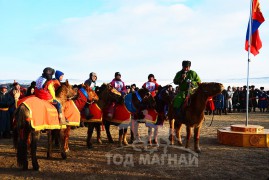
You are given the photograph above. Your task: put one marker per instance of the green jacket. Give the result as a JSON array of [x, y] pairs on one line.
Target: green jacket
[[183, 85]]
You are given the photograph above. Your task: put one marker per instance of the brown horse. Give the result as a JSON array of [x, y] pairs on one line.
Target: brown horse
[[132, 104], [192, 113], [25, 134]]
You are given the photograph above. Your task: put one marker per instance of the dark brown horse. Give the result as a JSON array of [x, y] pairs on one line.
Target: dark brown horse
[[26, 136], [192, 113], [132, 103]]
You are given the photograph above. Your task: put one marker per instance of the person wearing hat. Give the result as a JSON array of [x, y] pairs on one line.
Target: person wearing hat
[[186, 79], [92, 80], [45, 90], [133, 88], [118, 84], [59, 75], [128, 89], [92, 83], [262, 102], [17, 93], [5, 119], [151, 85], [31, 89], [253, 94]]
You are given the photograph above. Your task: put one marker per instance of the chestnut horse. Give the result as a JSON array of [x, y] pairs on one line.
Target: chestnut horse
[[80, 101], [25, 134], [192, 113]]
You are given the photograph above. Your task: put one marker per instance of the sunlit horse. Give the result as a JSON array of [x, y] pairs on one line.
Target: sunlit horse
[[192, 113], [26, 136], [85, 97]]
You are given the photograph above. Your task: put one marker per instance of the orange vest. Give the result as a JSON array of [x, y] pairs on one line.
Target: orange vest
[[44, 92]]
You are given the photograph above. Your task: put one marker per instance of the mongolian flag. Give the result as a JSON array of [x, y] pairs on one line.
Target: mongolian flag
[[256, 20]]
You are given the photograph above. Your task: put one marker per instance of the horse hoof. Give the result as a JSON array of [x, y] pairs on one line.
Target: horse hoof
[[111, 141], [36, 168], [125, 143], [90, 146], [198, 150], [64, 156], [181, 144], [99, 141]]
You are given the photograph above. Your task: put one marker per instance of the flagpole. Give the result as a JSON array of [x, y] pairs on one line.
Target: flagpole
[[249, 45]]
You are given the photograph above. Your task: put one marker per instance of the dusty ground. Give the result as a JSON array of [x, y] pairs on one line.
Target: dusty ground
[[215, 162]]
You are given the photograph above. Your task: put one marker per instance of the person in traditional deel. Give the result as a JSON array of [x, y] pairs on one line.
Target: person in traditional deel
[[92, 80], [186, 79], [151, 85], [262, 102], [45, 90], [31, 89], [253, 95], [5, 120], [17, 93], [59, 75], [242, 99], [128, 89]]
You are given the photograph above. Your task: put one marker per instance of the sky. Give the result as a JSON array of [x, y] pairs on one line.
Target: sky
[[133, 37]]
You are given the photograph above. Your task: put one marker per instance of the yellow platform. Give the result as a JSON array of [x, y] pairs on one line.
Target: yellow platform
[[245, 136]]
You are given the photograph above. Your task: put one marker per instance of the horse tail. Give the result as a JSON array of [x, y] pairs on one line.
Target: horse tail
[[22, 129]]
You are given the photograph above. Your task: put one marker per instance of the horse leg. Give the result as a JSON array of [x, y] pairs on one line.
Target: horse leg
[[172, 131], [49, 149], [107, 127], [197, 139], [156, 130], [178, 134], [188, 130], [35, 138], [67, 132], [98, 132], [22, 153], [89, 135], [61, 134], [125, 142], [120, 136], [149, 135]]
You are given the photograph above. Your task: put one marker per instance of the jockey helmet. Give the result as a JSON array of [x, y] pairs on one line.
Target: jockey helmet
[[117, 74], [150, 75], [48, 72], [186, 63]]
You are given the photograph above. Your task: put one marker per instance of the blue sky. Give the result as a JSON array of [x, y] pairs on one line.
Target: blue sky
[[134, 37]]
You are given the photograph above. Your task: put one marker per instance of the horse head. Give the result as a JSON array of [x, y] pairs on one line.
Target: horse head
[[91, 93], [211, 88], [163, 95], [144, 99], [65, 91], [108, 93]]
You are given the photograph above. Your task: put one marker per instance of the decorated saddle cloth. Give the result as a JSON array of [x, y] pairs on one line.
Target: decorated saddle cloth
[[121, 115], [71, 113], [151, 116], [97, 113], [43, 115]]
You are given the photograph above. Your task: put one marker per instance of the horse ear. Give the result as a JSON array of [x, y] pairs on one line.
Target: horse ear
[[67, 82], [199, 83]]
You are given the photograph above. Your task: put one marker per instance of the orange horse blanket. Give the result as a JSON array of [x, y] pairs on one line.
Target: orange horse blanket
[[96, 112], [71, 113], [43, 115]]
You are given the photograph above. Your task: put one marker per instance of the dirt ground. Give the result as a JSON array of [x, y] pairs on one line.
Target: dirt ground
[[108, 161]]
